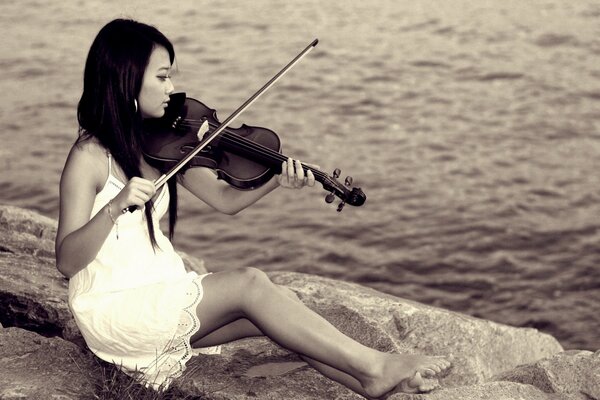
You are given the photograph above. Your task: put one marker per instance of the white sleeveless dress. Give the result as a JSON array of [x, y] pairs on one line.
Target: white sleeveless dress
[[136, 307]]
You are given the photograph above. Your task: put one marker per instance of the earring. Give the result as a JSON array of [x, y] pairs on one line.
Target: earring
[[135, 104]]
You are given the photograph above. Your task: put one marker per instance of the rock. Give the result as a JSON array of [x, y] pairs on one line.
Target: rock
[[39, 368], [193, 263], [490, 360], [484, 391], [478, 348], [31, 232], [33, 293], [575, 373]]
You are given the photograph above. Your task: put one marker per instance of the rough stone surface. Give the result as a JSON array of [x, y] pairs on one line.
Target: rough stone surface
[[490, 360], [33, 293], [575, 373], [478, 348], [485, 391], [39, 368]]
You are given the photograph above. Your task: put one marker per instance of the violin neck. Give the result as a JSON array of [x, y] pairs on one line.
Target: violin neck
[[273, 159]]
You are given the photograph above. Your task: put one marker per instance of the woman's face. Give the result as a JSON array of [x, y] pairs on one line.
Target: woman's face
[[156, 84]]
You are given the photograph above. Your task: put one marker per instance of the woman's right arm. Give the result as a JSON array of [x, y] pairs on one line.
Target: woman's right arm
[[79, 238]]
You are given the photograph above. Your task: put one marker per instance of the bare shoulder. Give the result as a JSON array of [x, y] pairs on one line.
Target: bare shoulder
[[82, 178], [87, 163], [89, 148]]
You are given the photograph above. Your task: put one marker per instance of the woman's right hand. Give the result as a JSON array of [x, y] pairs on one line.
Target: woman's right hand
[[135, 193]]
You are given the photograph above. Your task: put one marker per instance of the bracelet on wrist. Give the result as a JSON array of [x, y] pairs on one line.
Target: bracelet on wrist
[[113, 219]]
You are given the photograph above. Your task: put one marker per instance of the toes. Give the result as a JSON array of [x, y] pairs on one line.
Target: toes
[[417, 384], [428, 386], [446, 364], [410, 385], [416, 381], [420, 385], [442, 363], [413, 385], [436, 368], [426, 377]]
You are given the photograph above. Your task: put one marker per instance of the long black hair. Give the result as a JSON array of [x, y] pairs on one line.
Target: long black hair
[[108, 111]]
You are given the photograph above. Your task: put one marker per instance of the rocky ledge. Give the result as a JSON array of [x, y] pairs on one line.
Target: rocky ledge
[[42, 354]]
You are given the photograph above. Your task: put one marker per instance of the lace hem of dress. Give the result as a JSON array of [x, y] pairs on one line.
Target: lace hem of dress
[[170, 364]]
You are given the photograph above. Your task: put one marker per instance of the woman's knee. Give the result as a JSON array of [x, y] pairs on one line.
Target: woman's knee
[[255, 284], [254, 281], [253, 275]]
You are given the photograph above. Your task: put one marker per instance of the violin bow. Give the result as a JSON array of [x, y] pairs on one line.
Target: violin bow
[[166, 176]]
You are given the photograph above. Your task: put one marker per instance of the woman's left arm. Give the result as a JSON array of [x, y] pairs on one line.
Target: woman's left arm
[[203, 183]]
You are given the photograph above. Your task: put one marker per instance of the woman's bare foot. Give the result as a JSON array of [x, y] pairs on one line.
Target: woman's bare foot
[[416, 384], [404, 373]]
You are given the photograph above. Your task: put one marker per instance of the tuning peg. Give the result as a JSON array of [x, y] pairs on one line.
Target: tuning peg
[[349, 181], [330, 198], [342, 204], [336, 173]]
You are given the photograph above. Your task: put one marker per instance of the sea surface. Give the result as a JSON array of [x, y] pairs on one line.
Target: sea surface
[[473, 127]]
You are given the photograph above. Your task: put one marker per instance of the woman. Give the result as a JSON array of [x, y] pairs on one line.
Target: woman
[[131, 297]]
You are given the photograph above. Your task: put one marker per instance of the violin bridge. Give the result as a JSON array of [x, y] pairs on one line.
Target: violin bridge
[[202, 130]]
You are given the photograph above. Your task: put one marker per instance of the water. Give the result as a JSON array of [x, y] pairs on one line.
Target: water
[[472, 126]]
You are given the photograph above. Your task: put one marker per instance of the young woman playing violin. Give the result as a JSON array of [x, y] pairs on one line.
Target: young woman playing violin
[[132, 299]]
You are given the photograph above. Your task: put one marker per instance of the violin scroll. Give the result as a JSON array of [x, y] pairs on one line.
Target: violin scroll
[[354, 197]]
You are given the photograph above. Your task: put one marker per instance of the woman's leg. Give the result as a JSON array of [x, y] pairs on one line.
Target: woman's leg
[[238, 329], [243, 328], [249, 294]]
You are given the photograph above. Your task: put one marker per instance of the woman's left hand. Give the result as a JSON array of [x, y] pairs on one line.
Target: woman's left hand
[[293, 177]]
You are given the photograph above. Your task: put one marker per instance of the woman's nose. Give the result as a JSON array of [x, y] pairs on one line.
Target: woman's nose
[[170, 87]]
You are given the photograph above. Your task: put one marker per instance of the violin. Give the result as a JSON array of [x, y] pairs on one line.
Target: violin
[[245, 157]]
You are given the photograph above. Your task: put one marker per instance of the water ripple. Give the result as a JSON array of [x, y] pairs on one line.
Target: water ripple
[[552, 40]]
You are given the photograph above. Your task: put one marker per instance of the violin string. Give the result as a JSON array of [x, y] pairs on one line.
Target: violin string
[[194, 120], [257, 148], [246, 144], [249, 145]]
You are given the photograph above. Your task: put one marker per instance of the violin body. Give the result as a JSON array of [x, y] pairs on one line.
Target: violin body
[[168, 140], [245, 157]]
